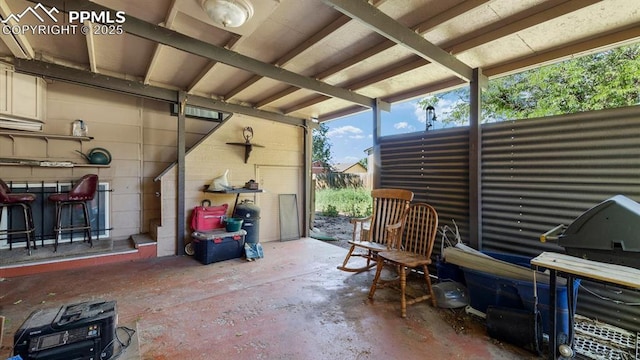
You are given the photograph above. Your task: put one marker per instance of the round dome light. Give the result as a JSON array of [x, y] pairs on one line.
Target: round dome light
[[228, 13]]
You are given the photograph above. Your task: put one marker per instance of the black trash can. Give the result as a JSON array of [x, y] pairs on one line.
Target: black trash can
[[250, 213]]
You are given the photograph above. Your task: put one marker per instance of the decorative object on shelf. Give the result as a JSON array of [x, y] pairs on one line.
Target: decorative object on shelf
[[79, 128], [97, 156], [251, 185], [228, 13], [247, 133], [221, 183]]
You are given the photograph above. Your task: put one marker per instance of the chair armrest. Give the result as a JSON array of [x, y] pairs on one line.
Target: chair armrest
[[393, 235], [356, 222], [360, 220]]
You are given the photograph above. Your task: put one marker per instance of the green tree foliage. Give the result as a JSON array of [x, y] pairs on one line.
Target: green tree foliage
[[605, 80], [321, 145], [364, 162]]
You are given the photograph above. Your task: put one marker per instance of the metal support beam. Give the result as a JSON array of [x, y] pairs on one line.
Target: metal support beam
[[388, 27], [181, 171], [194, 46], [377, 161], [475, 159], [136, 88], [308, 205]]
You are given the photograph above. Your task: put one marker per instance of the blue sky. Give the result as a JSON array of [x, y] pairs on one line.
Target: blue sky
[[350, 136]]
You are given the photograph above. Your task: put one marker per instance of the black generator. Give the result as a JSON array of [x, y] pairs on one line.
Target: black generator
[[83, 331]]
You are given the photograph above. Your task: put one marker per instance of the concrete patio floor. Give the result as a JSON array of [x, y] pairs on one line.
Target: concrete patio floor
[[293, 304]]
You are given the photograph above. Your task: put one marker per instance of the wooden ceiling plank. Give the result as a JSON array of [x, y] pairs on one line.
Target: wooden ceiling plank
[[392, 30], [168, 22], [342, 113], [314, 39], [590, 44], [202, 75], [237, 60], [238, 89], [420, 28], [449, 14], [291, 54], [279, 95], [17, 43], [13, 46], [446, 84], [162, 35], [390, 71], [380, 75], [305, 104], [518, 22]]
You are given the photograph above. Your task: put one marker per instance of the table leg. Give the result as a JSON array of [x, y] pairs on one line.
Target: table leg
[[553, 336], [233, 211], [570, 300]]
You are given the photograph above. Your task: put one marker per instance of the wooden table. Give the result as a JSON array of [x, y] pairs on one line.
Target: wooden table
[[573, 267]]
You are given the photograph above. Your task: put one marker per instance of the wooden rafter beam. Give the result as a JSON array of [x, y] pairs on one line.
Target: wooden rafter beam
[[207, 69], [168, 23], [517, 22], [162, 35], [526, 19], [420, 28], [297, 50], [137, 88], [619, 36], [17, 43], [91, 48], [400, 34], [409, 64]]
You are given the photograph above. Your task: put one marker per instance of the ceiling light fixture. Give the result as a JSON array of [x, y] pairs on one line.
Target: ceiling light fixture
[[228, 13]]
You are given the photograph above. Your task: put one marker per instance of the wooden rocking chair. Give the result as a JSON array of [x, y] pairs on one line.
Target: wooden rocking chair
[[410, 245], [389, 205]]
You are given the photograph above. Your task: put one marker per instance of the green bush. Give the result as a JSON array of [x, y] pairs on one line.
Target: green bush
[[351, 202]]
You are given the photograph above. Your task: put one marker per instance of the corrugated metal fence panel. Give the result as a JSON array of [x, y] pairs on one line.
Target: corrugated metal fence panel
[[536, 174], [539, 173], [435, 166]]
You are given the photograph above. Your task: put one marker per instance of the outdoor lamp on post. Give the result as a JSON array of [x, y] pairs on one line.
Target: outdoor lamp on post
[[431, 116]]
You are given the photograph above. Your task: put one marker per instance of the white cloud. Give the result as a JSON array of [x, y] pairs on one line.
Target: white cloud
[[348, 131], [401, 125]]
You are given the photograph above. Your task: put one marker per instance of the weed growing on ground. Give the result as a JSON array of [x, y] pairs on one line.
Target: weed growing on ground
[[354, 202], [331, 211]]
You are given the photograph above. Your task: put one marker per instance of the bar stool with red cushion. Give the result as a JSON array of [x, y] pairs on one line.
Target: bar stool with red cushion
[[80, 194], [24, 200]]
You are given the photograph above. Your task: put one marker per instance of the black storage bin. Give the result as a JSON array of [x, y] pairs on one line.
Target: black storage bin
[[250, 213], [218, 245]]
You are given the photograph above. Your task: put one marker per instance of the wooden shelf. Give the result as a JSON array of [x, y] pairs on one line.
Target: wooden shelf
[[4, 163], [46, 136], [44, 163], [232, 191]]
